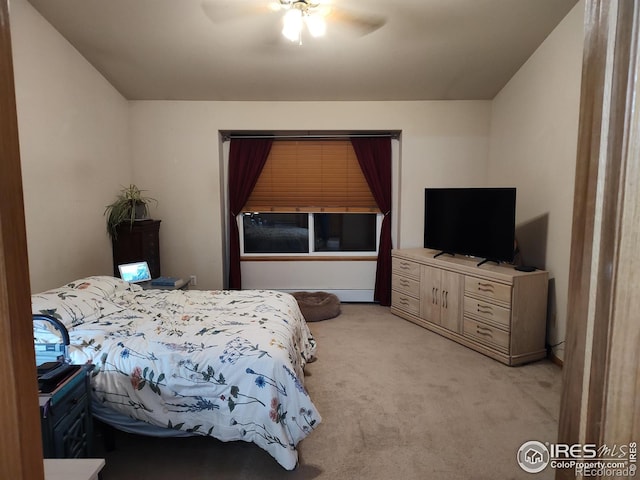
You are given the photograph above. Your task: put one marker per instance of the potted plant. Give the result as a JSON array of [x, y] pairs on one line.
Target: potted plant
[[129, 206]]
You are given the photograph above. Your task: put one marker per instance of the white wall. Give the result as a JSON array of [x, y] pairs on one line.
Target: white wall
[[177, 155], [74, 148], [534, 131], [80, 140]]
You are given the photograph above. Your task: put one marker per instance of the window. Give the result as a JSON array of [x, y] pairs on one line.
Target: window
[[275, 233], [311, 199], [314, 234], [344, 232]]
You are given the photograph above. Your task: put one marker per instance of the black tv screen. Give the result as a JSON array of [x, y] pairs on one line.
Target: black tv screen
[[479, 222]]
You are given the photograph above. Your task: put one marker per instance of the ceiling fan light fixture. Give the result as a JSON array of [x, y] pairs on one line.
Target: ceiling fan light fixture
[[315, 24], [292, 27]]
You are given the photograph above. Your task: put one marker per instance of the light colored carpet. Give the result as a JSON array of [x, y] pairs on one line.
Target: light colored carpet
[[397, 401]]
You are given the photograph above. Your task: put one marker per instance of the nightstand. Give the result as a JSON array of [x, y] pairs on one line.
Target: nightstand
[[65, 417]]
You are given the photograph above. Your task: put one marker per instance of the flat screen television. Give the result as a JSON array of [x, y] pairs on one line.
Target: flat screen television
[[478, 222]]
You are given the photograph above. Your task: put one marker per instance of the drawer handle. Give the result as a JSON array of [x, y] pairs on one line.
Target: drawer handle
[[404, 283], [403, 301], [485, 287], [486, 309], [405, 266], [445, 299], [434, 296], [487, 332]]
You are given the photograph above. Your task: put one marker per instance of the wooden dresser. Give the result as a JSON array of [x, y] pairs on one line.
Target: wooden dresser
[[493, 309], [136, 243]]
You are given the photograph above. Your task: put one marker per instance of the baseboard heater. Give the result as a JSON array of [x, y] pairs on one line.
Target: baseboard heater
[[345, 296]]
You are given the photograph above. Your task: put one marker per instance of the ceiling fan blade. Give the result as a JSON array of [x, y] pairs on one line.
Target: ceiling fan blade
[[363, 23]]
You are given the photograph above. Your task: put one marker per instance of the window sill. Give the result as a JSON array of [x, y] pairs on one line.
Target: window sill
[[308, 258]]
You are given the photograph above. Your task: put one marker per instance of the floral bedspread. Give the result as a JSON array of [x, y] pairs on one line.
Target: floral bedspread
[[228, 364]]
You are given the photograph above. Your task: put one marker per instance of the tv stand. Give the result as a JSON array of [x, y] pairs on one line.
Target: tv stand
[[495, 310], [497, 262], [444, 252]]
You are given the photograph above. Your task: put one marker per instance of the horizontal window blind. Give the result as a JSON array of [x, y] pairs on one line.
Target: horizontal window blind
[[311, 175]]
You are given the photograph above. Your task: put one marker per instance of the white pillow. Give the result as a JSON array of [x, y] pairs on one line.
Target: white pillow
[[72, 307], [102, 285]]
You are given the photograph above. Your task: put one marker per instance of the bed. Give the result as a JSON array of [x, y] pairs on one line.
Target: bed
[[228, 364]]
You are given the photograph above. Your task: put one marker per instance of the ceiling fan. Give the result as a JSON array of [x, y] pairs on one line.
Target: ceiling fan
[[298, 16], [301, 13]]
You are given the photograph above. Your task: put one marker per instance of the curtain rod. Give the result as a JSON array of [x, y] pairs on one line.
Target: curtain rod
[[394, 135]]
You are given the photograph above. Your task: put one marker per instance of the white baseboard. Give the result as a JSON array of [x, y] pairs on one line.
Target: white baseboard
[[346, 295]]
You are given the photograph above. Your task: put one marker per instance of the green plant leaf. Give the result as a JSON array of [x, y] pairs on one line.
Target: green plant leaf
[[123, 208]]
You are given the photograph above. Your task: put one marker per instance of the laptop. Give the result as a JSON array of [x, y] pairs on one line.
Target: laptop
[[136, 272]]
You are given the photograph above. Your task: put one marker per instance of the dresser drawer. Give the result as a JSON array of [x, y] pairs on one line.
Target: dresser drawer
[[71, 434], [407, 285], [483, 333], [405, 302], [488, 289], [77, 394], [489, 311], [405, 267]]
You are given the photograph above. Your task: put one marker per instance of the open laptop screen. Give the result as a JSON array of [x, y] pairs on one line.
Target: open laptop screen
[[135, 272]]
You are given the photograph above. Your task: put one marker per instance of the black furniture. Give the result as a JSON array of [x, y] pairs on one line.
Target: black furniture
[[65, 417], [137, 242]]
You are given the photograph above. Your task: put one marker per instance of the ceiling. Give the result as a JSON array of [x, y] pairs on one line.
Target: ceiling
[[233, 49]]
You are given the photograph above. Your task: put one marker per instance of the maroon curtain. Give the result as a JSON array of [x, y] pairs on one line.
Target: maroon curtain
[[247, 156], [374, 156]]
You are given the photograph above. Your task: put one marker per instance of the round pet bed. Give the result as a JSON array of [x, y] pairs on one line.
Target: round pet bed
[[317, 306]]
